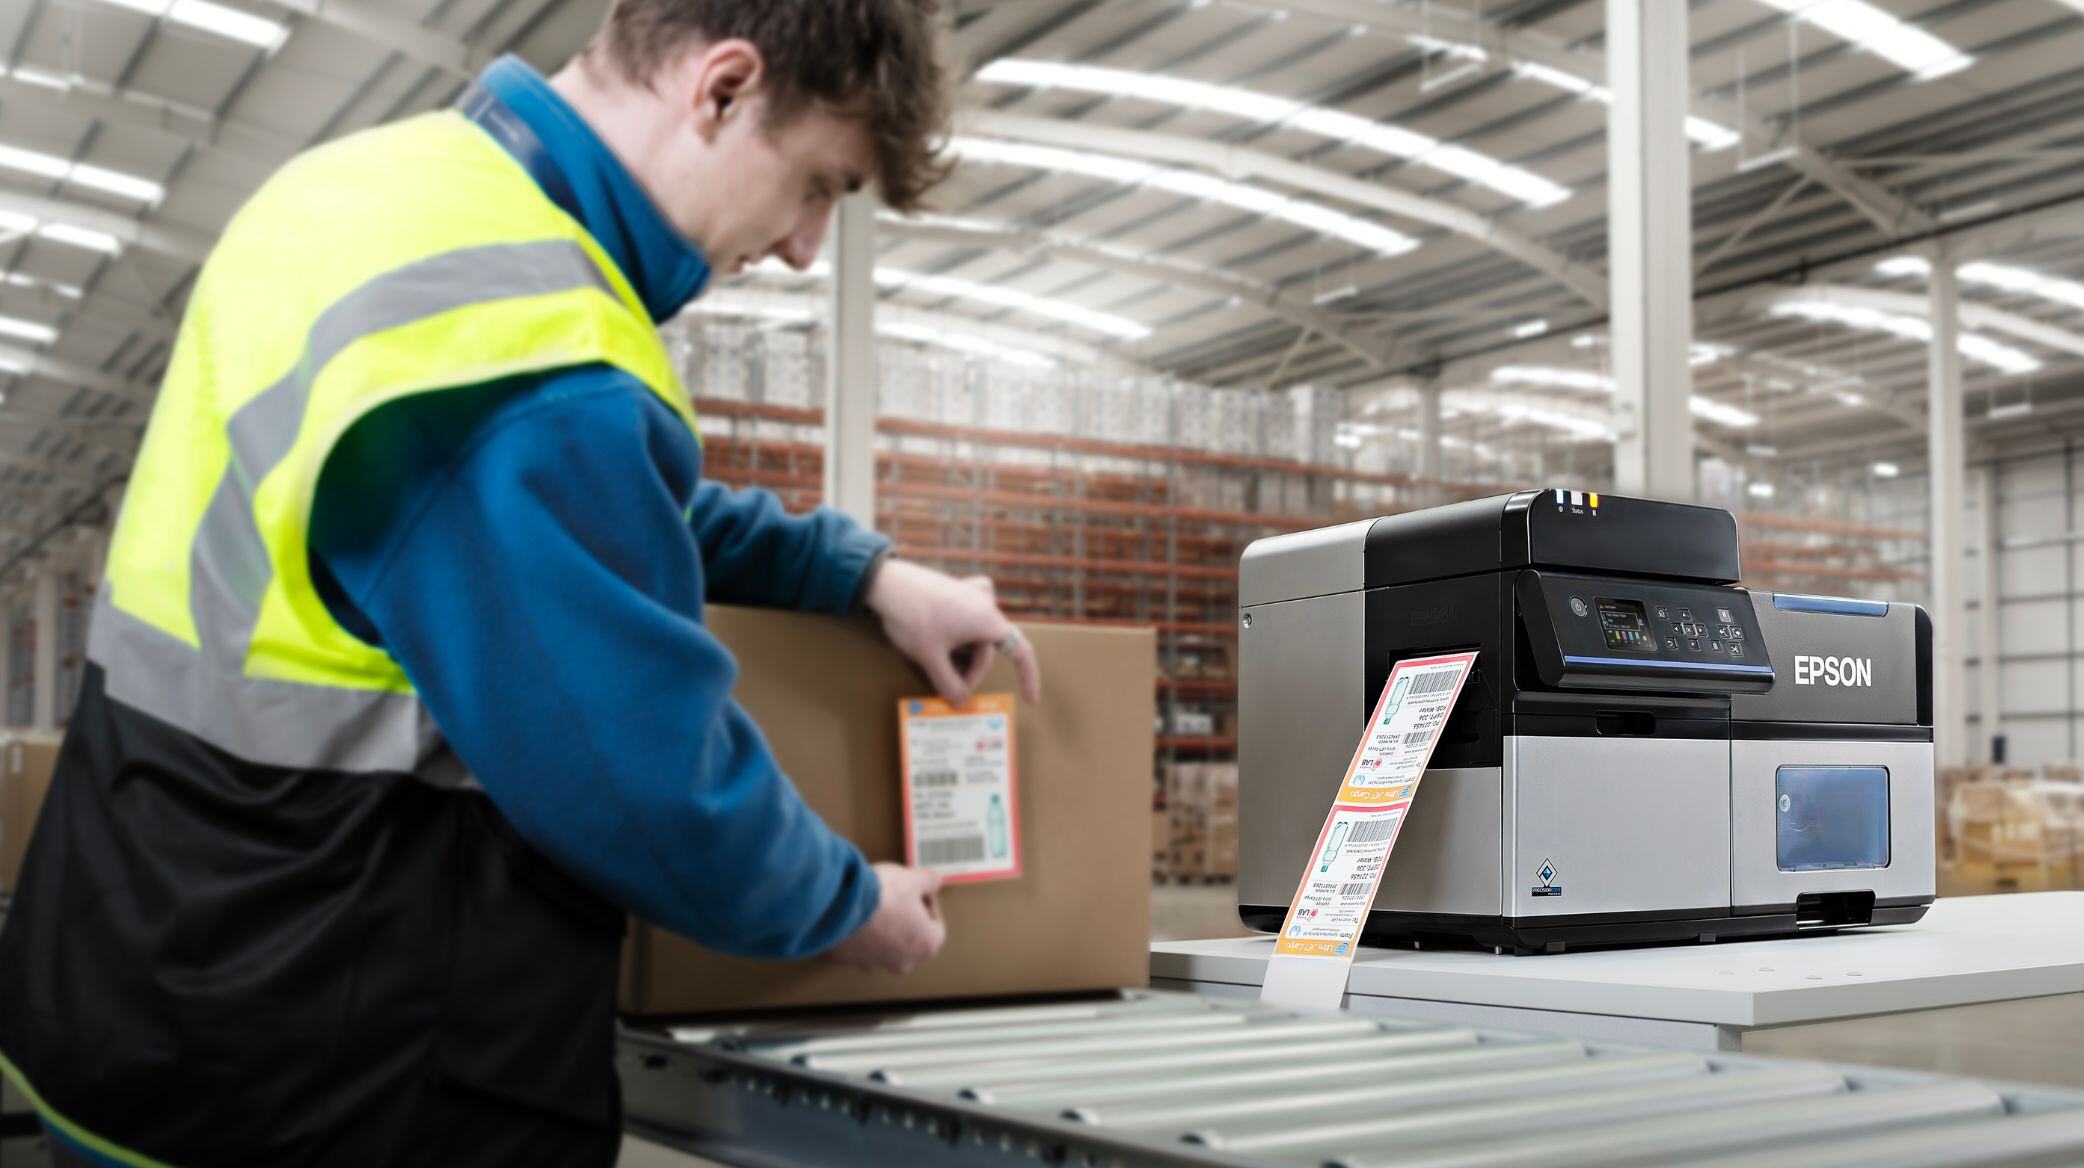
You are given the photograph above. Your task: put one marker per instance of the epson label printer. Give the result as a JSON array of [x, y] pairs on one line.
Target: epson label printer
[[1643, 753]]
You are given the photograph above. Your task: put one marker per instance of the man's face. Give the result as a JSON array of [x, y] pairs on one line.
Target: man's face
[[778, 184]]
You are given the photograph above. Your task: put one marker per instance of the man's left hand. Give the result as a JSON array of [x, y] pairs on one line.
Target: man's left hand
[[952, 628]]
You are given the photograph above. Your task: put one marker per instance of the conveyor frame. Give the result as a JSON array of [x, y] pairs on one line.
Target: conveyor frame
[[722, 1093]]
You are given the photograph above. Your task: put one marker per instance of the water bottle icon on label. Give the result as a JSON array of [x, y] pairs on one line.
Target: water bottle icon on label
[[1332, 845], [995, 825], [1396, 699]]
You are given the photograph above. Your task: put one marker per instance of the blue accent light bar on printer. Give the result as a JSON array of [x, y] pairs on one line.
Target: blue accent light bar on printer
[[1837, 606], [1717, 666]]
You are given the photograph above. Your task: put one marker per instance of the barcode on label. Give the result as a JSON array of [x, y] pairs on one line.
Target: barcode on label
[[956, 849], [1373, 832], [1418, 739], [936, 779], [1357, 889], [1439, 682]]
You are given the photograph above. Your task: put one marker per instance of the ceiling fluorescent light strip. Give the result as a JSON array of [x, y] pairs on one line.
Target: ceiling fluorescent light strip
[[1709, 136], [2002, 277], [213, 18], [898, 279], [57, 169], [897, 329], [27, 330], [1192, 184], [2004, 358], [12, 223], [1905, 45], [1122, 327], [1702, 407], [1509, 180]]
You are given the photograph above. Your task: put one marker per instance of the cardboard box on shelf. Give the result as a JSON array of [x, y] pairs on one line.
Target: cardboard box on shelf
[[1200, 785], [1078, 918], [1203, 862], [1201, 798], [26, 761]]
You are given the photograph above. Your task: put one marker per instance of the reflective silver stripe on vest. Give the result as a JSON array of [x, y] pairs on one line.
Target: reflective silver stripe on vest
[[207, 693], [271, 723]]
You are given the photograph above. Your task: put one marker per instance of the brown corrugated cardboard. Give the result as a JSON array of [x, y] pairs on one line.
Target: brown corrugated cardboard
[[826, 691], [25, 776], [1202, 799]]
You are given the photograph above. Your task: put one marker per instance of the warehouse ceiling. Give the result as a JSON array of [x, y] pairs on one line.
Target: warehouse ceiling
[[1246, 193]]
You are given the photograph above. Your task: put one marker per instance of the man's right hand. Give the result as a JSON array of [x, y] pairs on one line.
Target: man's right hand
[[906, 928]]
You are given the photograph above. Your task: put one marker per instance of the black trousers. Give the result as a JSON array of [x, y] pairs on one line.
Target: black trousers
[[225, 965], [62, 1155]]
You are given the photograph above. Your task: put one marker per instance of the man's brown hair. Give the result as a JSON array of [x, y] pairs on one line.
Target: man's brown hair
[[875, 60]]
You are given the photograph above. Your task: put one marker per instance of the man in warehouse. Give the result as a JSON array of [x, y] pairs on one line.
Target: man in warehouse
[[400, 695]]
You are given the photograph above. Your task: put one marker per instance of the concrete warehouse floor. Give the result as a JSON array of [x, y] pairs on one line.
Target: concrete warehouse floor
[[2031, 1041]]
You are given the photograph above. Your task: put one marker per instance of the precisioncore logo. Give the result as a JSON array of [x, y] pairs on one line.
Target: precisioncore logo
[[1838, 671]]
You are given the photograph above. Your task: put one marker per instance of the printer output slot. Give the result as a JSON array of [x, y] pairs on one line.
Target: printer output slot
[[1628, 716], [1830, 910], [1625, 723]]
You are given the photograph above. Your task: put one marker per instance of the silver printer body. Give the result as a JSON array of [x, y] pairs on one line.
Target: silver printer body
[[1644, 752]]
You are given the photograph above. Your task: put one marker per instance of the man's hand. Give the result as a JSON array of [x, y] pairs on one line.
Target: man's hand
[[906, 928], [951, 627]]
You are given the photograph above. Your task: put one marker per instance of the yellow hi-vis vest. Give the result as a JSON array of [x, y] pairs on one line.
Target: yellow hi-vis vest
[[407, 259]]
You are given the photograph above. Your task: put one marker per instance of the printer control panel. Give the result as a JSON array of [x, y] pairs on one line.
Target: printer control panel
[[1717, 628], [1615, 632]]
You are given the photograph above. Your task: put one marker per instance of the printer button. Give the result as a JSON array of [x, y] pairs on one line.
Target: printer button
[[1671, 643], [1663, 613], [1714, 646], [1736, 650], [1685, 614], [1736, 633], [1692, 645]]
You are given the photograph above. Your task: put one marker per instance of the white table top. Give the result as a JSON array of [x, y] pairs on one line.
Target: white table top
[[1966, 950]]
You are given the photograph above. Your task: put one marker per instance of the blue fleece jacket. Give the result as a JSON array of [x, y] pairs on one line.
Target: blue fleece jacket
[[536, 554]]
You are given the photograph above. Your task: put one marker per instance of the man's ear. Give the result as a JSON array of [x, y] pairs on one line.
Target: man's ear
[[718, 80]]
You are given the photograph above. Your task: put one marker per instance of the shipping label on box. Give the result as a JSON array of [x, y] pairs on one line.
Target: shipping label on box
[[962, 812]]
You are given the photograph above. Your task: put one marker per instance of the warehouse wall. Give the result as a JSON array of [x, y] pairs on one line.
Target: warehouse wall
[[2039, 616], [2039, 619], [71, 562]]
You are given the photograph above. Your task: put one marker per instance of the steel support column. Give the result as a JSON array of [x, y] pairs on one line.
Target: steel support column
[[1429, 430], [43, 677], [1946, 456], [7, 606], [1988, 701], [1650, 254], [850, 364]]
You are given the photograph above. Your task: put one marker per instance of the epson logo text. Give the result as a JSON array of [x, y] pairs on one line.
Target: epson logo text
[[1834, 670]]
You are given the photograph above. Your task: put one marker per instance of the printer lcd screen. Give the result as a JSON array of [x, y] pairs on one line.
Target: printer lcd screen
[[1625, 625], [1832, 817]]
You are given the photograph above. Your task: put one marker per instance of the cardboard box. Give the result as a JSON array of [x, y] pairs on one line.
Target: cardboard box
[[1078, 918], [1201, 785], [26, 762]]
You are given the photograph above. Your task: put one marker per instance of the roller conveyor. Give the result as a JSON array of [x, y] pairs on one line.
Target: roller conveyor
[[1151, 1079]]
